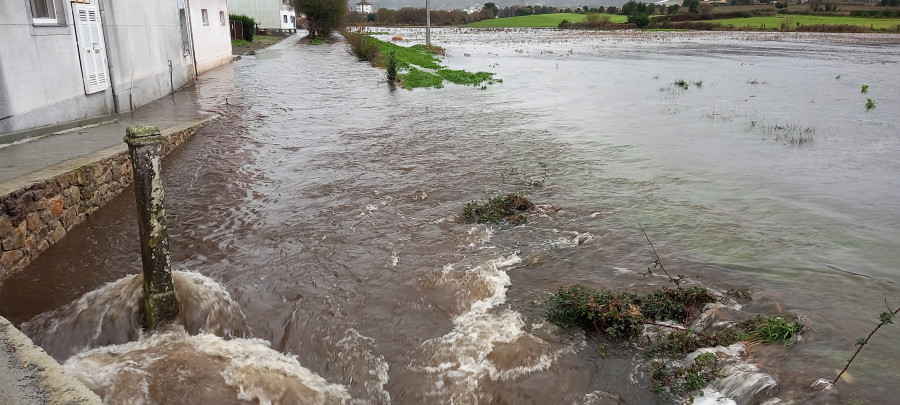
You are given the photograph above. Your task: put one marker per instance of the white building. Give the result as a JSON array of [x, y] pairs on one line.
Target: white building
[[269, 14], [363, 7], [67, 62], [211, 34]]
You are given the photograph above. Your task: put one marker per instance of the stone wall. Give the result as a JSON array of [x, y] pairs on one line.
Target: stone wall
[[35, 217]]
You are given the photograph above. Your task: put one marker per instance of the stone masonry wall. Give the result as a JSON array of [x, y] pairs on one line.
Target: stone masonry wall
[[35, 217]]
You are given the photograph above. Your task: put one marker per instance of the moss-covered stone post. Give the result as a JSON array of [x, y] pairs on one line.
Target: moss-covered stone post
[[144, 146]]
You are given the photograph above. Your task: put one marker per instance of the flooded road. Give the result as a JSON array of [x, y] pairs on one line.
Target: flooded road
[[318, 215]]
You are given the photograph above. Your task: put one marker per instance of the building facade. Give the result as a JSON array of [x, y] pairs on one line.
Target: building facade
[[71, 61], [363, 7], [211, 35], [269, 14]]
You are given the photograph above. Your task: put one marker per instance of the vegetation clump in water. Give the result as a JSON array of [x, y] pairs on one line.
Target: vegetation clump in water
[[624, 315], [510, 208]]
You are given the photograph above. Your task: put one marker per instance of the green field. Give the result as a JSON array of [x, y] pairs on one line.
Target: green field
[[771, 23], [541, 20]]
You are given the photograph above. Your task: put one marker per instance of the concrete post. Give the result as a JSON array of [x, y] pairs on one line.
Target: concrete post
[[428, 22], [144, 146]]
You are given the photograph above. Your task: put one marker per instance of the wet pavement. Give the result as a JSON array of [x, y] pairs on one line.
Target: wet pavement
[[20, 159]]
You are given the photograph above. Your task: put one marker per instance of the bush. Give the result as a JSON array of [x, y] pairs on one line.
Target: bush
[[392, 67], [364, 47], [249, 24], [640, 20], [595, 20]]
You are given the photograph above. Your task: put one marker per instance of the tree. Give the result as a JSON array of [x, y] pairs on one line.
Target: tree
[[322, 16], [386, 16], [492, 7], [692, 5], [640, 20], [814, 5], [355, 18]]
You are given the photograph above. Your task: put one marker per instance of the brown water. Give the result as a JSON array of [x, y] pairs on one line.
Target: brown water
[[317, 216]]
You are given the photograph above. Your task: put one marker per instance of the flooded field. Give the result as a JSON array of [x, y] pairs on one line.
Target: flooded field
[[315, 223]]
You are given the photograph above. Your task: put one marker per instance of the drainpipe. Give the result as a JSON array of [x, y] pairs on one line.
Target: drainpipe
[[193, 46], [112, 82]]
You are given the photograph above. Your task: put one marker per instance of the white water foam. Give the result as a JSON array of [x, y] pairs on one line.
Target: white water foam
[[358, 351], [174, 367], [572, 240], [112, 315], [477, 235], [486, 342], [599, 398], [742, 382]]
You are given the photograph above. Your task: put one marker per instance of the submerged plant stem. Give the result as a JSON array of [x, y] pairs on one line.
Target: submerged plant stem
[[885, 320]]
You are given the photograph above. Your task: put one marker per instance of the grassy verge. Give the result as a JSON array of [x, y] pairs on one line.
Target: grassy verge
[[538, 21], [418, 66], [241, 47], [774, 23]]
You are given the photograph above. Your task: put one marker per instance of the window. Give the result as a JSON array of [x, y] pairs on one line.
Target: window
[[205, 16], [44, 12], [185, 30], [222, 18], [284, 17]]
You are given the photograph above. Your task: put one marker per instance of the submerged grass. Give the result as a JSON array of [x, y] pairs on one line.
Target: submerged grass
[[416, 78], [791, 133], [417, 66]]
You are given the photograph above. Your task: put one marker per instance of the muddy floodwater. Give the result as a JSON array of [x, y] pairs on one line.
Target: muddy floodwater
[[315, 230]]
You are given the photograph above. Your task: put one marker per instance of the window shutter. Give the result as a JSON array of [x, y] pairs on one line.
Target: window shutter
[[91, 47]]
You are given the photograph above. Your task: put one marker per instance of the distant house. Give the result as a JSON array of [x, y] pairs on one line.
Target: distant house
[[363, 7], [64, 62], [269, 14]]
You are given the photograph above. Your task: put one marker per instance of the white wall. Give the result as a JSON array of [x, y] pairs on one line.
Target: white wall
[[212, 41], [267, 13], [143, 37], [40, 72]]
